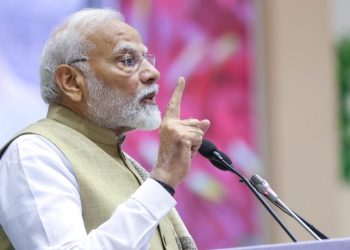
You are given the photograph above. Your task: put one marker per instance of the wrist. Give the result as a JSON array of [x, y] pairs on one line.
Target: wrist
[[167, 187]]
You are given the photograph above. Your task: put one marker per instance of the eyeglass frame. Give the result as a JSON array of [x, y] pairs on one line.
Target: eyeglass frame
[[150, 58]]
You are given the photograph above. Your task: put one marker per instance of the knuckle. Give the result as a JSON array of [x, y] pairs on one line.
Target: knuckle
[[186, 143], [200, 132], [196, 121], [183, 141]]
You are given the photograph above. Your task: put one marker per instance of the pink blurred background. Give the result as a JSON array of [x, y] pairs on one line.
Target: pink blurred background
[[210, 43]]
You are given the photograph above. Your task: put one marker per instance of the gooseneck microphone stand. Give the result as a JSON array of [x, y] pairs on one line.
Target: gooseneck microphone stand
[[219, 160], [260, 188], [264, 188]]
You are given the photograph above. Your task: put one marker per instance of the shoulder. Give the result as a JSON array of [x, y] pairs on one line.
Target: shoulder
[[33, 153], [33, 147], [31, 143]]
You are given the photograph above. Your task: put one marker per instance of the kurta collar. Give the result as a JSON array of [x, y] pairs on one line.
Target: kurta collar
[[82, 125]]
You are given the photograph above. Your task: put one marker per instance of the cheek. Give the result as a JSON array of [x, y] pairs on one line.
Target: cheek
[[115, 79], [127, 85]]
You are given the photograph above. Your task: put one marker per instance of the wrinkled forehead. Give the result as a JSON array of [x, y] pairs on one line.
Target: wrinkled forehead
[[116, 37]]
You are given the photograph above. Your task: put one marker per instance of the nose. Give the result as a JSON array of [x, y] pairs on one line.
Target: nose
[[148, 73]]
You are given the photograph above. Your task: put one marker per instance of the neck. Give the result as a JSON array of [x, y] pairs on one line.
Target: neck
[[122, 130]]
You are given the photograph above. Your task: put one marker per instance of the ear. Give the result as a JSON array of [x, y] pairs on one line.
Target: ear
[[71, 82]]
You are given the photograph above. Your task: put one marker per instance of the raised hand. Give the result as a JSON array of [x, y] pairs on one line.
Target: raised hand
[[179, 141]]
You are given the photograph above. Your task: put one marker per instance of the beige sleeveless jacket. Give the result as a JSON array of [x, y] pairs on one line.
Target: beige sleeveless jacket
[[106, 175]]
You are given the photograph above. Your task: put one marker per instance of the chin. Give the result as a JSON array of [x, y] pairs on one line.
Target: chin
[[151, 126], [150, 123]]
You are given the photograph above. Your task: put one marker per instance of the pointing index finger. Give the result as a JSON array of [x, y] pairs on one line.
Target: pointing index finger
[[173, 109]]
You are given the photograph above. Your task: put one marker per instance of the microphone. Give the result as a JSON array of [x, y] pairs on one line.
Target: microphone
[[220, 163], [218, 158], [223, 162], [264, 188]]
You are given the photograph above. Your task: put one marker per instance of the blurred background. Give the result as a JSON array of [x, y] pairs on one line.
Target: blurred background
[[273, 78]]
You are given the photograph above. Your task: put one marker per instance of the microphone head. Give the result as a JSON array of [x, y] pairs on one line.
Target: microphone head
[[207, 148], [219, 163], [263, 187], [257, 181], [218, 158]]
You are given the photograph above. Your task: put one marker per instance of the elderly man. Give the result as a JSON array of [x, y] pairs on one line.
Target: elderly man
[[64, 181]]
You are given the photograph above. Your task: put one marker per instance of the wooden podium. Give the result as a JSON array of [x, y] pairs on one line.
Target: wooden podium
[[331, 244]]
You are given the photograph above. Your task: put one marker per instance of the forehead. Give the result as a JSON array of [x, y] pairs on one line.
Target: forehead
[[115, 36]]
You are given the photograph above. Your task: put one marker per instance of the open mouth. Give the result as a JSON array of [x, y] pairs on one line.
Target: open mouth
[[149, 98]]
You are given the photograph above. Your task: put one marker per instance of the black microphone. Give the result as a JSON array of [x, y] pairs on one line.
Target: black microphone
[[223, 162], [218, 158], [219, 163], [207, 149]]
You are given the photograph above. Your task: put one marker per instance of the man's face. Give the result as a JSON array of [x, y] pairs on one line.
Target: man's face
[[121, 93]]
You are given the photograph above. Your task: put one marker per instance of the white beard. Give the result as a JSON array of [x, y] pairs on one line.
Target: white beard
[[111, 109]]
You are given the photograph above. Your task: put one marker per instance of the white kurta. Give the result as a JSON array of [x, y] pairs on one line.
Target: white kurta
[[40, 206]]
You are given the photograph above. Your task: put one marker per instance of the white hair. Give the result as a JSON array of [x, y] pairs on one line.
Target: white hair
[[68, 42]]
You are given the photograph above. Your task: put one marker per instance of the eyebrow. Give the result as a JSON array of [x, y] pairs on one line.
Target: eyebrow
[[126, 46]]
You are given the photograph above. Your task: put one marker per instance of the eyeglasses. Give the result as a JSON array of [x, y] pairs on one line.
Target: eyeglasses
[[128, 62]]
